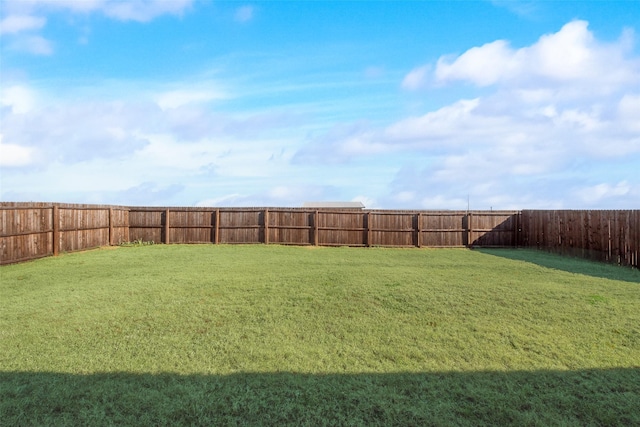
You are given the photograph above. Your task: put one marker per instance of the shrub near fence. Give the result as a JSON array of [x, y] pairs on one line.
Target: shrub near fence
[[33, 230]]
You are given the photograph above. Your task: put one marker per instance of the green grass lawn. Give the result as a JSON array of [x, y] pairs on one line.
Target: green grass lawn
[[273, 335]]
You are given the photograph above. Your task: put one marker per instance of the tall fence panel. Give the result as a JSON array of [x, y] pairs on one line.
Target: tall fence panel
[[342, 228], [611, 236], [82, 228], [290, 227], [191, 226], [27, 233], [493, 229], [443, 229], [392, 228], [239, 226], [146, 225]]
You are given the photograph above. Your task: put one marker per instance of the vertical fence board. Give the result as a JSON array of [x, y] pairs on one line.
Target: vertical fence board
[[56, 230]]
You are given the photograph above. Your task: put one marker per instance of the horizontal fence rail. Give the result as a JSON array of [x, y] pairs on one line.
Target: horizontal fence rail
[[34, 230]]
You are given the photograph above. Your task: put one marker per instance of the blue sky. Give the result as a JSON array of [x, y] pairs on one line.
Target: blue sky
[[400, 105]]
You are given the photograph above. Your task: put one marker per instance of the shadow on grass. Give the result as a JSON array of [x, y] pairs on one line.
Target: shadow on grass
[[568, 264], [585, 397]]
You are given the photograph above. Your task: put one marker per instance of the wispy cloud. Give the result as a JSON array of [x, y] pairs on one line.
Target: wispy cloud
[[417, 78], [22, 20], [12, 155], [143, 10], [524, 8], [244, 13], [33, 44], [13, 24], [180, 97], [124, 10]]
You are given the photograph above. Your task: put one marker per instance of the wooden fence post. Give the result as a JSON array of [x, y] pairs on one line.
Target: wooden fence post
[[368, 219], [469, 230], [315, 228], [55, 218], [419, 230], [217, 235], [111, 234], [127, 230], [166, 227], [609, 240], [266, 226]]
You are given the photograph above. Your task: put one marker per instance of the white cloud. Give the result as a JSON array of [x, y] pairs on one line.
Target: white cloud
[[178, 98], [145, 194], [566, 55], [629, 110], [19, 98], [280, 196], [599, 192], [571, 56], [405, 196], [416, 78], [483, 65], [226, 200], [165, 152], [13, 155], [442, 123], [79, 131], [190, 133], [294, 194], [117, 144], [13, 24], [439, 201]]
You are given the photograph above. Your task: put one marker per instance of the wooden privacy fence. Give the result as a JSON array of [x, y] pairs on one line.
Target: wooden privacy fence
[[33, 230], [603, 235], [323, 227]]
